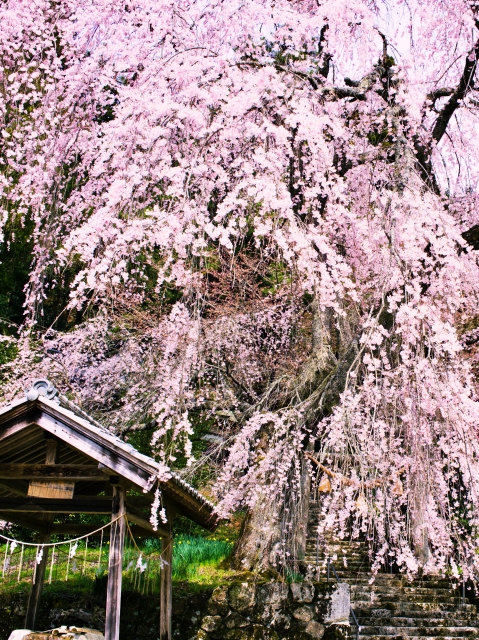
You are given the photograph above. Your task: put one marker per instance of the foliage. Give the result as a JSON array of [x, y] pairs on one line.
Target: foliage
[[15, 260], [191, 554], [258, 218], [196, 560]]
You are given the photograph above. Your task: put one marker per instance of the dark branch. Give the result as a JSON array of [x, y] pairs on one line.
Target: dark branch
[[471, 236], [336, 93], [440, 93], [466, 84], [351, 83], [385, 45], [327, 57]]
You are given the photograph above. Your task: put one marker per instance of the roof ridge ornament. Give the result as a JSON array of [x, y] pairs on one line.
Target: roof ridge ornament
[[42, 387]]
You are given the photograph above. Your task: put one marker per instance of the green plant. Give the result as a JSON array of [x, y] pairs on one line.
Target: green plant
[[191, 552], [293, 576]]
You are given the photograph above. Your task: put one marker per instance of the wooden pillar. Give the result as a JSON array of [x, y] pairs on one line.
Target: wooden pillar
[[117, 539], [166, 600], [37, 587], [52, 457]]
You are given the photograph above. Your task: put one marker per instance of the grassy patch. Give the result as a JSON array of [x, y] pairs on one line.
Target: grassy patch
[[196, 560], [194, 557]]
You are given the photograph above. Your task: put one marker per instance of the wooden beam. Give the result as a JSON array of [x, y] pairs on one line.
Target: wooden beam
[[189, 506], [85, 529], [15, 425], [166, 600], [117, 539], [90, 473], [78, 504], [17, 488], [93, 444], [92, 504], [29, 523]]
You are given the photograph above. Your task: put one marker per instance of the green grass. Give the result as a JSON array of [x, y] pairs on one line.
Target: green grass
[[192, 553], [195, 559]]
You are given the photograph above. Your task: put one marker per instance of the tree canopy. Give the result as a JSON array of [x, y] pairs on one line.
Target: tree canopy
[[258, 219]]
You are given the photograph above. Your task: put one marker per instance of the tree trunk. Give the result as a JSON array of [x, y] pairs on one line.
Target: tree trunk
[[259, 545], [275, 531]]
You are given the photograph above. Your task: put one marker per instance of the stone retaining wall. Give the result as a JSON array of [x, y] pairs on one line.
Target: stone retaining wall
[[247, 610], [243, 609]]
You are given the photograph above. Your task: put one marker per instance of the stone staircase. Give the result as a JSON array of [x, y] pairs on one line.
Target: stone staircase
[[392, 607]]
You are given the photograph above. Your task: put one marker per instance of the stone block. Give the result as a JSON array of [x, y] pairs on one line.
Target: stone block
[[235, 621], [220, 595], [315, 629], [302, 591], [280, 620], [338, 632], [304, 614], [65, 633], [241, 596], [211, 623], [19, 634], [340, 605], [273, 594], [238, 634]]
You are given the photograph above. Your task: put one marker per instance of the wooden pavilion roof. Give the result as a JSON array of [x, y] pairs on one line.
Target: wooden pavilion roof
[[91, 456]]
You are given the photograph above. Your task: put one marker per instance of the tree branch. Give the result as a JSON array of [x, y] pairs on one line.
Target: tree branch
[[471, 236], [466, 84], [439, 93]]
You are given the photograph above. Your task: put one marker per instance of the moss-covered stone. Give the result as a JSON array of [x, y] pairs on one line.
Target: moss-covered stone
[[337, 632], [140, 614], [211, 623], [315, 629], [304, 613], [302, 592], [241, 596]]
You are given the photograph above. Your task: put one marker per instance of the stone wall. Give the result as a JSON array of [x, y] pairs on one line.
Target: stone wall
[[243, 609], [248, 610]]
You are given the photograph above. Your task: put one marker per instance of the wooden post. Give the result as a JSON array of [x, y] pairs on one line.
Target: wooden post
[[52, 456], [166, 600], [117, 539], [37, 587]]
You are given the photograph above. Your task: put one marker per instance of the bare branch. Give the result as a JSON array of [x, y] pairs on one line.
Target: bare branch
[[466, 84], [440, 93]]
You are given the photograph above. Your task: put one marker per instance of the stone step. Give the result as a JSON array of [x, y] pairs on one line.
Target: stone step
[[450, 632], [387, 605], [395, 577], [337, 563], [315, 544], [385, 580], [341, 563], [401, 590], [400, 636], [336, 556], [348, 568], [340, 544], [420, 598], [338, 548], [327, 551], [413, 609], [419, 622]]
